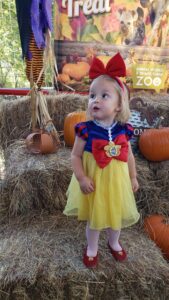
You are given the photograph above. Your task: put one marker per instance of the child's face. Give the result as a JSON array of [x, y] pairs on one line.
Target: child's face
[[104, 101]]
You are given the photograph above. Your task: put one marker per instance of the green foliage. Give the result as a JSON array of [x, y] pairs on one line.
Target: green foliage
[[12, 67]]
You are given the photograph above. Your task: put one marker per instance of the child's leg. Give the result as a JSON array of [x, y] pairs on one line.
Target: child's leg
[[113, 237], [92, 241]]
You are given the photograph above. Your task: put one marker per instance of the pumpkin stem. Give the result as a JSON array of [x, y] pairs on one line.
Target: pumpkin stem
[[159, 121]]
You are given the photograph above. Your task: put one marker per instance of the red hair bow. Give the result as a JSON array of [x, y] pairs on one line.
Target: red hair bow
[[114, 68]]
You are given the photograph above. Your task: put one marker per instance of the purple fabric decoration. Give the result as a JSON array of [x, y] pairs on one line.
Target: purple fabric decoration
[[29, 55], [41, 20]]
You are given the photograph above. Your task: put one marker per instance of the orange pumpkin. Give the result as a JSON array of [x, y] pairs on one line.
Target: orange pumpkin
[[76, 71], [70, 121], [68, 69], [157, 228], [63, 78], [41, 143], [154, 144], [84, 66]]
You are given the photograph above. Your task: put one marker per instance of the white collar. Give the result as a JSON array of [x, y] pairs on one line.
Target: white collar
[[103, 126]]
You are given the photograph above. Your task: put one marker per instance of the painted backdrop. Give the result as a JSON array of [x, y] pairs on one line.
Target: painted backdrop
[[139, 30]]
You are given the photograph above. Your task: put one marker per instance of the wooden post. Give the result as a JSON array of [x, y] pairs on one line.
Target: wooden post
[[33, 102]]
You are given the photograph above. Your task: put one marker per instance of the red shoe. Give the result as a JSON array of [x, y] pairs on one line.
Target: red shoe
[[89, 262], [118, 255]]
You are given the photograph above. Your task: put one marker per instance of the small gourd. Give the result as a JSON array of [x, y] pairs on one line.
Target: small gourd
[[41, 143]]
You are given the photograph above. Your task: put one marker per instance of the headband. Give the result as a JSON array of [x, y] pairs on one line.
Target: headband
[[115, 68]]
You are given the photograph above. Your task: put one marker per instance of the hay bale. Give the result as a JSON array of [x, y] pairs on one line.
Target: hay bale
[[41, 252], [38, 182], [41, 258], [14, 120], [2, 167], [15, 115], [149, 197], [152, 97], [161, 174], [154, 106], [152, 196], [33, 179], [34, 182]]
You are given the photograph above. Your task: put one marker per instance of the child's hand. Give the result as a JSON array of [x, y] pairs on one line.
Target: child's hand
[[86, 185], [134, 184]]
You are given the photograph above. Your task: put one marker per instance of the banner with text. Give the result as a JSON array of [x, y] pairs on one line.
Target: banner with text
[[139, 30]]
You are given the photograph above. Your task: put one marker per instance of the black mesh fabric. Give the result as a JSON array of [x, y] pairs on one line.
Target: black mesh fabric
[[23, 9]]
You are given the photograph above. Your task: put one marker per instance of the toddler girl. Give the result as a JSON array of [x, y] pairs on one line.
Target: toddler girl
[[104, 179]]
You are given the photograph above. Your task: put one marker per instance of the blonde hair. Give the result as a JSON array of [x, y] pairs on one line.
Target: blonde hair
[[124, 114]]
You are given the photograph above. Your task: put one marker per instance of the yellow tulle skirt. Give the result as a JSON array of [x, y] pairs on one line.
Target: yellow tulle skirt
[[112, 204]]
